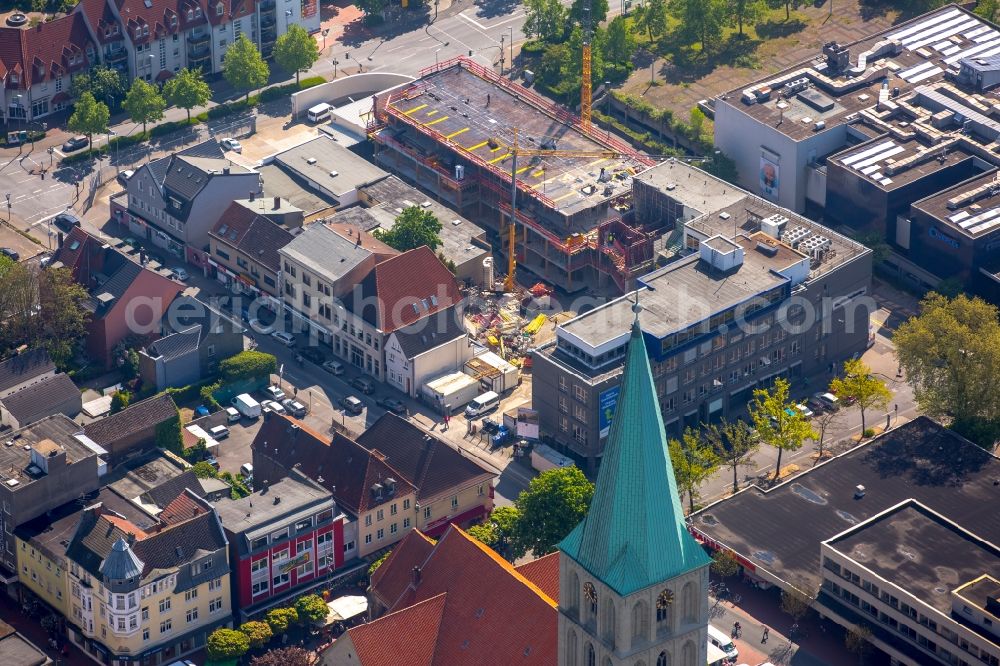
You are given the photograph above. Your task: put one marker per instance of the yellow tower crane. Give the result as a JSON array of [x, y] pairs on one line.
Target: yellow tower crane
[[585, 92]]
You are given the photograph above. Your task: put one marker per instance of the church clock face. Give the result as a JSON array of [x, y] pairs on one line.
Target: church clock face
[[590, 593], [665, 599]]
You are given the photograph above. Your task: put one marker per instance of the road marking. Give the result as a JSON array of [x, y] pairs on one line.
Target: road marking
[[431, 112], [414, 109], [477, 146], [37, 191], [603, 159], [538, 174], [481, 26], [435, 122], [454, 134], [497, 159]]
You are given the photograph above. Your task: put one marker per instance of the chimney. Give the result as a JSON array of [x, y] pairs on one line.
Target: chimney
[[61, 239], [225, 171], [277, 203], [252, 195], [357, 243], [416, 575]]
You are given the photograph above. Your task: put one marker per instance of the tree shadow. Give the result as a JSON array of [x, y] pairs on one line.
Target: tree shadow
[[873, 9], [397, 22], [688, 63], [777, 29], [492, 8]]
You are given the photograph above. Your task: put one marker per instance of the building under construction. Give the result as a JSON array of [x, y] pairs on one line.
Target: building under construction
[[462, 132]]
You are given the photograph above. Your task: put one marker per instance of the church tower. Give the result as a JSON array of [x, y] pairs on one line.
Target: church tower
[[633, 583]]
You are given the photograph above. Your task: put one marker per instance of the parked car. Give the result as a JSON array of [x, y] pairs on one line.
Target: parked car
[[232, 414], [352, 405], [179, 273], [363, 384], [261, 327], [246, 405], [246, 470], [804, 410], [76, 143], [274, 393], [334, 367], [284, 338], [272, 406], [10, 253], [392, 404], [124, 176], [66, 221], [231, 144], [294, 407], [313, 354], [219, 432], [211, 460], [826, 401]]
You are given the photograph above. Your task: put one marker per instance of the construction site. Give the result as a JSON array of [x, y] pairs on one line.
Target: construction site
[[554, 193]]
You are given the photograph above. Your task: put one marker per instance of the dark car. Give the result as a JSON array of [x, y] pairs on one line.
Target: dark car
[[9, 253], [393, 405], [364, 385], [66, 221], [313, 354], [76, 143]]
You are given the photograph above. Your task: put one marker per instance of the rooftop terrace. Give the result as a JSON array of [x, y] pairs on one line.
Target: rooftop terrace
[[476, 114], [971, 208]]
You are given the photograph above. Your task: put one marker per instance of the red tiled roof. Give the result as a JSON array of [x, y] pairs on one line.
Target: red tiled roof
[[101, 19], [184, 506], [11, 56], [392, 578], [543, 572], [145, 23], [53, 49], [408, 636], [492, 614], [231, 9], [391, 297]]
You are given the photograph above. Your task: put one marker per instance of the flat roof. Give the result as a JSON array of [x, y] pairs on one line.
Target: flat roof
[[890, 163], [691, 186], [919, 552], [780, 530], [16, 470], [476, 116], [277, 183], [979, 591], [16, 649], [135, 477], [318, 159], [284, 499], [912, 58], [971, 208], [684, 293]]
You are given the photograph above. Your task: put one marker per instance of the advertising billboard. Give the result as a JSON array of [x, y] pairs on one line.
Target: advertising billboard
[[607, 403], [527, 423], [769, 178]]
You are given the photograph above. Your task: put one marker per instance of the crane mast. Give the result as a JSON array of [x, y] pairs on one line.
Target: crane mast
[[585, 92]]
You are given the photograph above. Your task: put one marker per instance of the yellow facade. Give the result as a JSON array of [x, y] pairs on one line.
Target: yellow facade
[[451, 505], [45, 577], [386, 524]]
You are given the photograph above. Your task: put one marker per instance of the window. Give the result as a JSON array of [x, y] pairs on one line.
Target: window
[[379, 515], [579, 393], [392, 510], [303, 524], [145, 613], [349, 546], [427, 512], [166, 626], [191, 594], [406, 505], [219, 8], [368, 520], [192, 615], [368, 539], [381, 533], [215, 605], [406, 523], [392, 528], [145, 633], [480, 490], [215, 584], [563, 384], [164, 605]]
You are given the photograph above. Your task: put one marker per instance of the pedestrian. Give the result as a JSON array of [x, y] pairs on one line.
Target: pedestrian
[[447, 418], [763, 638]]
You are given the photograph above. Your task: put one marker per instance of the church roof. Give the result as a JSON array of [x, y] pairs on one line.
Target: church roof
[[634, 535]]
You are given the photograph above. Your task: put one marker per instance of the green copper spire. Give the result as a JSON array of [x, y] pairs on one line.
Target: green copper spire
[[634, 534]]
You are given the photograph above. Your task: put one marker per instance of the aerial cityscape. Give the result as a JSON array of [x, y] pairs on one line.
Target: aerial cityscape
[[493, 332]]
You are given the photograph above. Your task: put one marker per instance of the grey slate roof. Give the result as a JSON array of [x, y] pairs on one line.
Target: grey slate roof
[[121, 563], [177, 344], [116, 285], [431, 332], [167, 492], [325, 252], [135, 418], [252, 234], [24, 367], [38, 398]]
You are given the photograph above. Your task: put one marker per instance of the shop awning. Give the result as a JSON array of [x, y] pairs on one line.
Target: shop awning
[[344, 608]]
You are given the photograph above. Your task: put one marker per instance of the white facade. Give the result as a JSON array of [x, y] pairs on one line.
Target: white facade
[[408, 375]]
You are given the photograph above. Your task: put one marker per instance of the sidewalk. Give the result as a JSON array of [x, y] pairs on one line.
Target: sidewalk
[[30, 628]]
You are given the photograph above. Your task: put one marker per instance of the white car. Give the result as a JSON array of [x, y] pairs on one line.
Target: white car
[[272, 406], [179, 274], [274, 393], [284, 338], [232, 414], [805, 411], [260, 327], [231, 144]]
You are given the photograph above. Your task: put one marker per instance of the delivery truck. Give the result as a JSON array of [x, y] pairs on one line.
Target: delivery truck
[[451, 392]]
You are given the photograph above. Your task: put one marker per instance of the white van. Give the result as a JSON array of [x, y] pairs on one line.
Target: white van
[[723, 642], [319, 112], [246, 470], [484, 403], [247, 406]]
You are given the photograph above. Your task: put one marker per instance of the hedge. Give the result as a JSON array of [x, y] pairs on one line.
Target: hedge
[[248, 364]]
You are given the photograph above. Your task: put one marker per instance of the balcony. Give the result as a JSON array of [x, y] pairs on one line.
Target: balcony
[[115, 55], [194, 39], [267, 7], [267, 21], [198, 51]]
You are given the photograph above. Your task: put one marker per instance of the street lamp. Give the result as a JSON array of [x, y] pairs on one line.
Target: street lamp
[[436, 56], [326, 31], [607, 93], [335, 63], [502, 37], [511, 30], [51, 158], [8, 206]]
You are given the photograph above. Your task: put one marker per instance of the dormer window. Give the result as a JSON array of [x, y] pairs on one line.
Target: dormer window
[[138, 33], [145, 30], [173, 21], [219, 8], [190, 15], [14, 78], [197, 12]]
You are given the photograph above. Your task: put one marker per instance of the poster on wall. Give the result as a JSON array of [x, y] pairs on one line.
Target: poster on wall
[[769, 174], [527, 423], [608, 402]]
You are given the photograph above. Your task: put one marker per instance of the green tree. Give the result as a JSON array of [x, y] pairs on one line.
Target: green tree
[[789, 5], [735, 445], [722, 166], [61, 315], [120, 400], [413, 228], [697, 124], [724, 563], [296, 50], [951, 353], [243, 67], [130, 364], [858, 383], [204, 470], [286, 656], [187, 90], [371, 7], [553, 504], [499, 529], [876, 243], [857, 639], [694, 461], [226, 643], [598, 11], [652, 17], [197, 452], [700, 20], [777, 421], [168, 435], [143, 103], [259, 633], [545, 20], [745, 11], [377, 563], [311, 608], [619, 45], [89, 117], [279, 619], [104, 83], [988, 9], [249, 364]]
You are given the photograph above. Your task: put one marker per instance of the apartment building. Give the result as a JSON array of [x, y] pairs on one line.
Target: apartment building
[[174, 202], [758, 293], [42, 466], [284, 540], [901, 543]]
